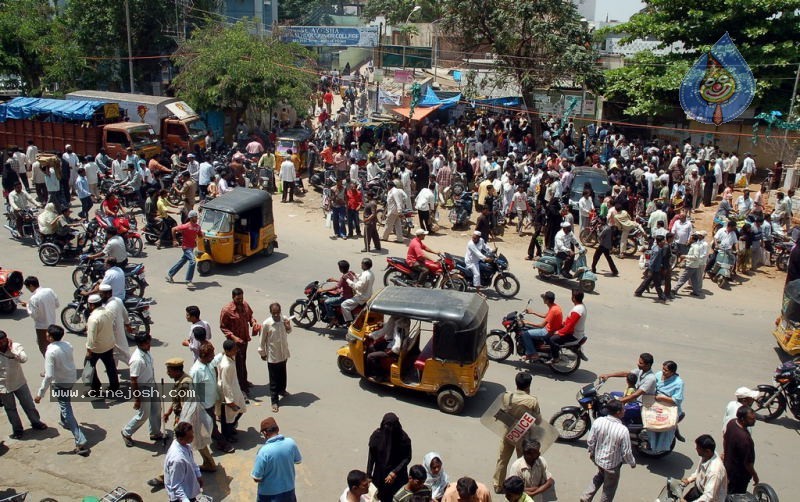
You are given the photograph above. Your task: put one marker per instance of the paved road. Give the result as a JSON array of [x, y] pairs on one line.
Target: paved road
[[719, 343]]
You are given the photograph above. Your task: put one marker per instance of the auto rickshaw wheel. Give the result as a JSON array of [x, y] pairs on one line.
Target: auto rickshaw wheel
[[346, 365], [204, 267], [269, 249], [587, 285], [450, 400]]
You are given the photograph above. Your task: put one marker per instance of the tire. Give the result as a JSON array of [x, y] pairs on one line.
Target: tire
[[773, 411], [456, 189], [49, 254], [782, 263], [7, 307], [78, 276], [134, 246], [450, 400], [541, 274], [587, 286], [134, 286], [455, 283], [150, 238], [392, 274], [649, 453], [568, 362], [346, 365], [306, 320], [452, 216], [506, 285], [588, 236], [204, 267], [174, 198], [138, 324], [498, 346], [73, 321], [632, 246], [764, 493], [269, 249], [570, 427]]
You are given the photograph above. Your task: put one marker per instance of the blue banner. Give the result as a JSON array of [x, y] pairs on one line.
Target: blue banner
[[329, 36]]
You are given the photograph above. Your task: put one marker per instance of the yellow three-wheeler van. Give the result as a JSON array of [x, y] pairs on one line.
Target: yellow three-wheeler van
[[235, 225], [787, 326], [443, 352]]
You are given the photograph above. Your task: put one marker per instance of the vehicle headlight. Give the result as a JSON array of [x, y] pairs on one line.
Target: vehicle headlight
[[579, 396], [350, 338]]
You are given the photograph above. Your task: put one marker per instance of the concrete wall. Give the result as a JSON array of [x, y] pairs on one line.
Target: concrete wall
[[353, 55]]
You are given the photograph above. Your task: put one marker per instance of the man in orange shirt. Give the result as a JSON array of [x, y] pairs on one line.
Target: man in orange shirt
[[552, 321]]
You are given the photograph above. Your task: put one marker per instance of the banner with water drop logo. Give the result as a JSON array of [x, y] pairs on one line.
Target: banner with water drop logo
[[720, 85]]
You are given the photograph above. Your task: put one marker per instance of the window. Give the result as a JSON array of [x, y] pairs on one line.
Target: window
[[117, 137]]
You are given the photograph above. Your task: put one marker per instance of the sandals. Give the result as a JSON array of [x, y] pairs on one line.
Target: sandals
[[127, 439]]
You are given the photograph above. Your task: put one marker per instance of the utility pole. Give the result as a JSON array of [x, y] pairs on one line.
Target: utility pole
[[791, 115], [377, 65], [130, 48]]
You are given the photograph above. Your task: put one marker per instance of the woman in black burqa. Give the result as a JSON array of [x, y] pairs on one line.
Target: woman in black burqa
[[389, 456]]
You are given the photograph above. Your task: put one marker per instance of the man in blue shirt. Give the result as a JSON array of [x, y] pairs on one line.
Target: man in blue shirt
[[83, 193], [274, 467]]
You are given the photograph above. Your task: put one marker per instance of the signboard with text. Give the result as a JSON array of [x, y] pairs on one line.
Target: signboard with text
[[330, 36], [399, 56]]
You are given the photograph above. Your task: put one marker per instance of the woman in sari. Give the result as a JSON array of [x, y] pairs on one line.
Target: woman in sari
[[669, 390]]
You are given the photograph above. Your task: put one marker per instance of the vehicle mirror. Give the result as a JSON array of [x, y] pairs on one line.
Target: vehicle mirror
[[243, 222]]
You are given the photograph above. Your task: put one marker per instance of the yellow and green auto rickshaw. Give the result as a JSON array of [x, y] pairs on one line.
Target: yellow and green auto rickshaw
[[787, 326], [295, 140], [235, 225], [443, 348]]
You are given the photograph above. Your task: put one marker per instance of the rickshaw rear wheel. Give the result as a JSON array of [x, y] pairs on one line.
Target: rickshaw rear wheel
[[346, 365], [204, 267], [450, 400], [765, 493], [269, 249]]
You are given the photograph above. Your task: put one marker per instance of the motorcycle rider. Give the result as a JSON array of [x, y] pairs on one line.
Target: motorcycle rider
[[20, 201], [565, 241], [724, 242], [340, 291], [114, 248], [645, 378], [710, 478], [362, 289], [574, 328], [477, 252], [415, 256], [551, 322]]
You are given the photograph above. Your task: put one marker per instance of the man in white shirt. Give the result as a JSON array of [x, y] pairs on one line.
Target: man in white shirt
[[476, 252], [744, 397], [91, 176], [119, 169], [656, 216], [122, 323], [710, 478], [100, 342], [585, 207], [564, 242], [143, 380], [726, 237], [532, 468], [287, 176], [204, 177], [193, 167], [21, 165], [182, 477], [60, 372], [14, 387], [749, 167], [744, 204], [20, 201], [362, 290], [274, 349], [42, 308], [204, 379], [682, 228]]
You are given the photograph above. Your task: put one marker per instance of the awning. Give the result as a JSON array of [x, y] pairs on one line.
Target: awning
[[432, 99], [24, 108], [419, 113]]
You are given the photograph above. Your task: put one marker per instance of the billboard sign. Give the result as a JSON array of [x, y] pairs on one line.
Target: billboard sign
[[399, 56], [331, 36]]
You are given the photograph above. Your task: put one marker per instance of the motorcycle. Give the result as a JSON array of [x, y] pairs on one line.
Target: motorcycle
[[11, 282], [501, 344], [76, 313], [493, 273], [462, 209], [30, 228], [549, 266], [442, 274], [673, 492], [323, 179], [774, 398], [54, 248], [722, 269], [90, 271], [780, 257], [573, 422], [636, 239], [591, 234], [127, 228], [305, 312]]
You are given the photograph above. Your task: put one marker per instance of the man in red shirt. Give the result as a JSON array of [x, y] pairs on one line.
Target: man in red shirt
[[354, 203], [189, 231], [415, 257], [327, 98], [551, 322], [574, 328], [340, 291]]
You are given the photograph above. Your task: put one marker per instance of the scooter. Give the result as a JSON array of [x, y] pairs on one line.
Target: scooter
[[722, 269], [493, 273], [549, 266], [305, 312], [30, 228]]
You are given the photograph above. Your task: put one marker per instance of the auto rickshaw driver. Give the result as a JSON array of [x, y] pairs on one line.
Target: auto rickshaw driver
[[379, 348]]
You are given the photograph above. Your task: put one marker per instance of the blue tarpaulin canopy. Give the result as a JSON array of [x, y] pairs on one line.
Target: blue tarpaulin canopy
[[24, 108], [507, 101], [431, 99]]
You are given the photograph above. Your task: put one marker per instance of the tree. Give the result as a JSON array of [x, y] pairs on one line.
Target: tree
[[538, 43], [764, 31], [396, 11], [231, 68], [305, 12]]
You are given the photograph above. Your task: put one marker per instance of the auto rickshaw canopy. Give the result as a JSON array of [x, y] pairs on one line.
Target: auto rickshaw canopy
[[242, 200], [460, 318]]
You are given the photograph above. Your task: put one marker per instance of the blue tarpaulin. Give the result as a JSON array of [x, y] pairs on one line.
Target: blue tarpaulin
[[24, 108], [508, 101], [431, 99]]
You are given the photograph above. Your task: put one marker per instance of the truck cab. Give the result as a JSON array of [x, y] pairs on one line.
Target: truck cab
[[184, 129], [119, 136]]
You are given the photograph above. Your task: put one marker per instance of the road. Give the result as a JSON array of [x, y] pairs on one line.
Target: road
[[720, 343]]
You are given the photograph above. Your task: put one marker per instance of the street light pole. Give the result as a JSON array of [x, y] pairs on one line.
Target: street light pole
[[130, 49]]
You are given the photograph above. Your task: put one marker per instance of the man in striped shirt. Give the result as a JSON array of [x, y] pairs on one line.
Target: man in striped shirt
[[609, 446]]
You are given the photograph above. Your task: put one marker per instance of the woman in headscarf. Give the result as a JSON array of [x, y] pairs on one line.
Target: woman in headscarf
[[437, 477], [389, 456], [669, 390], [47, 219]]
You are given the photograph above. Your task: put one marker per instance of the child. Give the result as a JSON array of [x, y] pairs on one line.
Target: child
[[631, 380]]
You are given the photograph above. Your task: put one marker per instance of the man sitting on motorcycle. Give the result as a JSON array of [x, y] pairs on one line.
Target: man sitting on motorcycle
[[477, 251], [551, 322], [574, 328], [415, 257], [710, 478], [20, 201], [362, 289], [114, 248], [645, 378], [340, 292], [564, 242], [724, 242]]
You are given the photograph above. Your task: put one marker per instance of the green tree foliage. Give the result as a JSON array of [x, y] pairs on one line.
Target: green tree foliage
[[765, 32], [397, 11], [305, 12], [229, 67], [538, 43]]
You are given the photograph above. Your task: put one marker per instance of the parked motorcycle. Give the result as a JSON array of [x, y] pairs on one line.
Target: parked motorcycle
[[780, 255], [305, 312], [323, 179], [501, 344], [573, 422], [549, 266], [11, 283], [722, 270], [673, 492], [126, 227], [30, 227], [442, 274], [90, 271], [774, 398], [76, 313], [462, 209], [493, 273]]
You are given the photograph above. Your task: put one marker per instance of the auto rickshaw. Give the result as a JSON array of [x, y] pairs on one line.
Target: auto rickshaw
[[295, 140], [443, 352], [787, 326], [235, 226]]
